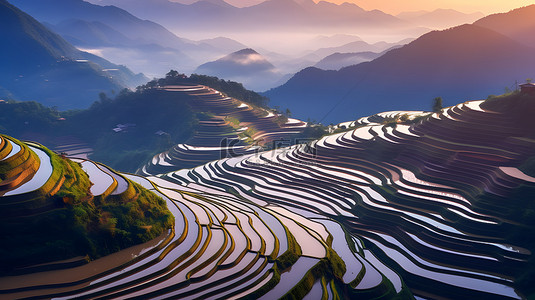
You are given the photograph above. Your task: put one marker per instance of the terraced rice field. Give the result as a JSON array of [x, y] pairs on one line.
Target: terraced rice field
[[218, 137], [431, 202], [26, 178], [221, 246], [72, 147], [378, 211]]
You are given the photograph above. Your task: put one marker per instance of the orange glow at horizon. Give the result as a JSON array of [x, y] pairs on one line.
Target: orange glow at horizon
[[395, 7]]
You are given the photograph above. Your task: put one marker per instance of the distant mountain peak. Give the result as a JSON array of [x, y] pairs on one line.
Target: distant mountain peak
[[246, 66], [246, 51], [247, 57], [279, 6], [244, 57], [343, 4], [305, 2], [220, 3]]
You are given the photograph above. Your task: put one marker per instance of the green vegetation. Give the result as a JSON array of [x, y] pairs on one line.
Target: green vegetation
[[312, 131], [281, 120], [144, 113], [528, 166], [404, 119], [76, 185], [248, 134], [517, 104], [282, 264], [78, 224], [235, 123], [19, 118], [154, 120], [518, 107], [230, 88], [524, 213], [437, 104], [392, 121]]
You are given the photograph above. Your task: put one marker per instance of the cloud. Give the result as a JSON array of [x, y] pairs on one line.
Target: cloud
[[248, 59], [97, 52]]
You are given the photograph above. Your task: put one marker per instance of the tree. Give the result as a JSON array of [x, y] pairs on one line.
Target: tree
[[288, 113], [172, 74], [104, 98], [437, 104]]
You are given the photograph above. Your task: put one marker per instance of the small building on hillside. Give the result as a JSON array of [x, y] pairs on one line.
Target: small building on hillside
[[124, 127], [527, 88]]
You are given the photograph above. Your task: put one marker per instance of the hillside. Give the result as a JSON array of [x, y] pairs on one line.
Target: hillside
[[222, 245], [517, 24], [122, 37], [337, 60], [230, 128], [223, 43], [438, 205], [57, 11], [410, 77], [439, 18], [134, 126], [445, 199], [246, 66], [58, 213], [34, 56], [89, 34], [359, 46]]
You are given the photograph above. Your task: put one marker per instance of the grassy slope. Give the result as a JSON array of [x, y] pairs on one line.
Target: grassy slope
[[81, 224]]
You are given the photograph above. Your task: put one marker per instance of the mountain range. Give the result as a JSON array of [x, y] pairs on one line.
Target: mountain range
[[268, 15], [358, 46], [338, 60], [439, 18], [467, 61], [146, 46], [121, 37], [136, 30], [32, 56]]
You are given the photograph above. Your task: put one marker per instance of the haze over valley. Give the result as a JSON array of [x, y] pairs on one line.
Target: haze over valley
[[172, 34]]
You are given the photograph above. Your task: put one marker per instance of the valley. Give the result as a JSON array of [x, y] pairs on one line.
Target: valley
[[276, 149]]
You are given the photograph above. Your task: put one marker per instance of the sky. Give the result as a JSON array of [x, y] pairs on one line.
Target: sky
[[484, 6], [397, 6]]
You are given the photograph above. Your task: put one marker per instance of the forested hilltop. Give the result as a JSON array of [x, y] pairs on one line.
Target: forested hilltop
[[230, 88], [126, 129], [149, 110]]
